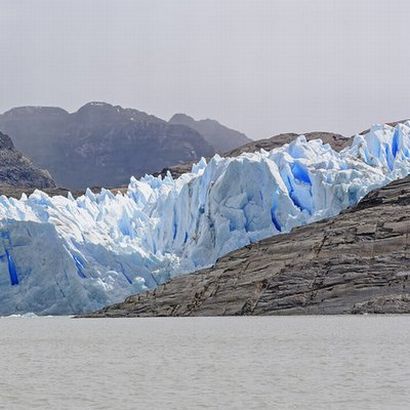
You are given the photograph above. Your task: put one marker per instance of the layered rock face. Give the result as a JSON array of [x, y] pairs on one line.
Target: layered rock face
[[17, 171], [357, 262]]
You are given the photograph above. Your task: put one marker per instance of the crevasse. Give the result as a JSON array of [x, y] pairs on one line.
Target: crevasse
[[63, 255]]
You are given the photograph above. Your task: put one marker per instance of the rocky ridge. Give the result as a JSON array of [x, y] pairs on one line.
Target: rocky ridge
[[17, 171], [222, 138]]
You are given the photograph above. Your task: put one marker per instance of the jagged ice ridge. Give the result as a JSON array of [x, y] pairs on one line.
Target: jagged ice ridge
[[63, 255]]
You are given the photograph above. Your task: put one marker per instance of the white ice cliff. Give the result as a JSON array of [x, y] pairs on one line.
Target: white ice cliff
[[63, 255]]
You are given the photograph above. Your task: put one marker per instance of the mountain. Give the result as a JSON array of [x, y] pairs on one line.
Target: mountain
[[17, 171], [357, 262], [221, 138], [100, 144], [63, 255], [336, 141]]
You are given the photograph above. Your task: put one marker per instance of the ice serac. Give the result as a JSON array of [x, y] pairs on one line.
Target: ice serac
[[63, 255]]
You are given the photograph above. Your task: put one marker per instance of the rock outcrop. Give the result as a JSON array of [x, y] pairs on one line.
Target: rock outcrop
[[17, 171], [357, 262]]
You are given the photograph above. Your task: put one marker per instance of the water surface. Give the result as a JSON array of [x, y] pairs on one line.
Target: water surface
[[351, 362]]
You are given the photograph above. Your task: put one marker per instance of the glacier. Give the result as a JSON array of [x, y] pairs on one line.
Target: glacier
[[63, 255]]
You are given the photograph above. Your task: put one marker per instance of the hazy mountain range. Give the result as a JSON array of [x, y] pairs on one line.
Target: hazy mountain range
[[103, 145], [222, 138]]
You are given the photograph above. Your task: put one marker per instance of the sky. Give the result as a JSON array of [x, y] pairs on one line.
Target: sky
[[259, 66]]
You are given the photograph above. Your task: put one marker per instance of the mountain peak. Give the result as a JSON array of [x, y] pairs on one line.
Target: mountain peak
[[18, 171], [222, 138], [6, 142], [30, 110], [180, 118], [96, 104], [103, 111]]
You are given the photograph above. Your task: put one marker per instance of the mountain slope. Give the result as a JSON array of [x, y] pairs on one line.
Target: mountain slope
[[17, 171], [357, 262], [100, 144], [221, 138]]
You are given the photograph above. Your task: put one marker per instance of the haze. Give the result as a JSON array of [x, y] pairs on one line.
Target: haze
[[260, 66]]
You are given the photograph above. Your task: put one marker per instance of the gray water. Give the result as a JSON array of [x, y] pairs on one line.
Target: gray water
[[206, 363]]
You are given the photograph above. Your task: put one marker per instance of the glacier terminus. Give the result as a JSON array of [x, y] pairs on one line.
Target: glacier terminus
[[63, 255]]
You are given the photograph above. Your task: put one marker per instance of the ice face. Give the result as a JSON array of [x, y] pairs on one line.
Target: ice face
[[64, 255]]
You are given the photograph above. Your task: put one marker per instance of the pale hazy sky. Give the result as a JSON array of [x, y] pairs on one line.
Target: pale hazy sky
[[261, 66]]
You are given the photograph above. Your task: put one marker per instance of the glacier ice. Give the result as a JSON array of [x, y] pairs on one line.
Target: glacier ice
[[63, 255]]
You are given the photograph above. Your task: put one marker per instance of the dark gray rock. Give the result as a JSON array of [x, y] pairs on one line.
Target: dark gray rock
[[357, 262], [17, 171], [221, 138]]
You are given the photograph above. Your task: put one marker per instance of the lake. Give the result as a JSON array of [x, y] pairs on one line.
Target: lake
[[315, 362]]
